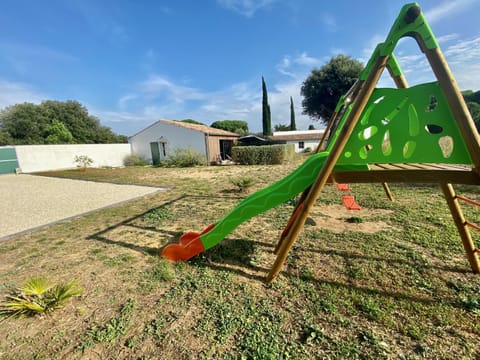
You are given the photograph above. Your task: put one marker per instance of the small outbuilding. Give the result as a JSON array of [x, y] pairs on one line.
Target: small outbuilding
[[302, 139], [160, 139]]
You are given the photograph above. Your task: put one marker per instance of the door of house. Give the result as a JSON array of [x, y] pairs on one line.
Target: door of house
[[8, 160], [154, 148], [159, 152], [226, 149]]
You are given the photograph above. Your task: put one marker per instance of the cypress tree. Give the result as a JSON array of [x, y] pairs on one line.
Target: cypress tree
[[266, 115], [293, 126]]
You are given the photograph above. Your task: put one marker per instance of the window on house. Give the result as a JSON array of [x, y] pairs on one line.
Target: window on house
[[301, 144]]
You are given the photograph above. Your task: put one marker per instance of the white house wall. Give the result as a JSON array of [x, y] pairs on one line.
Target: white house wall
[[33, 158], [175, 137], [312, 144]]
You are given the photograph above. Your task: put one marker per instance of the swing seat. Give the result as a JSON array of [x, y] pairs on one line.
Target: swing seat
[[350, 203], [343, 187]]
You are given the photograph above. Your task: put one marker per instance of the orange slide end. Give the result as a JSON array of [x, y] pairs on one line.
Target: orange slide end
[[188, 246]]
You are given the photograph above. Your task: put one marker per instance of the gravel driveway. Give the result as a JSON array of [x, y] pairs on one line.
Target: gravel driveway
[[29, 201]]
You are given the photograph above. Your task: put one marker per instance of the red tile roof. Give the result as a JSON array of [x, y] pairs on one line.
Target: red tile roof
[[202, 128]]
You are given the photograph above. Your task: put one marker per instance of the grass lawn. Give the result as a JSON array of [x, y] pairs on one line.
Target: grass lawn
[[389, 281]]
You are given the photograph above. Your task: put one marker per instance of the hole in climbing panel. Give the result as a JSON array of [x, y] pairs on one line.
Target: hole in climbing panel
[[409, 149], [363, 153], [413, 123], [432, 104], [379, 99], [386, 144], [446, 146], [433, 129], [348, 154], [367, 133]]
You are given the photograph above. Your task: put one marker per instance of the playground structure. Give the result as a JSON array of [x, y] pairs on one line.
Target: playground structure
[[418, 134]]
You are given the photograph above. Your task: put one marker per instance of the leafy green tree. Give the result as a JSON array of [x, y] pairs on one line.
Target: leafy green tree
[[266, 114], [58, 133], [293, 125], [474, 108], [29, 123], [470, 96], [323, 87], [5, 138], [473, 103], [23, 124], [236, 126], [281, 127]]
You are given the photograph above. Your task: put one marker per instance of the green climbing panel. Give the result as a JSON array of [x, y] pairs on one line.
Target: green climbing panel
[[413, 125]]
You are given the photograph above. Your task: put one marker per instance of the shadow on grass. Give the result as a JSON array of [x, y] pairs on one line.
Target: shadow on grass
[[238, 256], [169, 236]]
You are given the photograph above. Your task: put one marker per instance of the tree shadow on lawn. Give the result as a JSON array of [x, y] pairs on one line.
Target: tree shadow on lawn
[[239, 256]]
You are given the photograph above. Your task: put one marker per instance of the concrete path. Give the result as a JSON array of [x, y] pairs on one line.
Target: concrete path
[[28, 201]]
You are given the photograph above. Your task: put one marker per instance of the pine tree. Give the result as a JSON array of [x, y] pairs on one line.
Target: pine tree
[[293, 126], [266, 115]]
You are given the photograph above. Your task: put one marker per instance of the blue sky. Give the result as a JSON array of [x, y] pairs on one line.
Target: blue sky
[[134, 62]]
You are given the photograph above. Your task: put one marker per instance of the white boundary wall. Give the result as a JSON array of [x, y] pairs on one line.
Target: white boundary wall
[[32, 158]]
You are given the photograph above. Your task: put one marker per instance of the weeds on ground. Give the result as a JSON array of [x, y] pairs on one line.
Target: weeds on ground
[[113, 329], [243, 183]]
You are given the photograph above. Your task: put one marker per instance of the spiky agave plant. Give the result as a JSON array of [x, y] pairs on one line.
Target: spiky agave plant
[[38, 296]]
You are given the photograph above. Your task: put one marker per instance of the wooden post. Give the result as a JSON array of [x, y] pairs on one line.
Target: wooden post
[[364, 94], [461, 224], [352, 93], [386, 188], [457, 103], [333, 122]]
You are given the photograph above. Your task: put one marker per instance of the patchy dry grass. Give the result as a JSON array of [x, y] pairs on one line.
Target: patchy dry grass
[[394, 283]]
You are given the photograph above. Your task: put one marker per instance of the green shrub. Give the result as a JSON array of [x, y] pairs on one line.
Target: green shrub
[[243, 183], [83, 161], [134, 160], [267, 154], [181, 157]]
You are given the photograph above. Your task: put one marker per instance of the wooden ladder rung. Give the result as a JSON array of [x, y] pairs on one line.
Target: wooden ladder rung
[[467, 200], [475, 226]]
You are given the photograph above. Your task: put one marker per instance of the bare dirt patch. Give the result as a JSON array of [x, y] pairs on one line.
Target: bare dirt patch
[[338, 219]]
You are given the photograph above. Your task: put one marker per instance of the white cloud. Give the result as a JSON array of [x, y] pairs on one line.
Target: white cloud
[[329, 22], [124, 100], [463, 60], [159, 97], [15, 93], [25, 58], [305, 59], [447, 8], [245, 7], [158, 86], [447, 38]]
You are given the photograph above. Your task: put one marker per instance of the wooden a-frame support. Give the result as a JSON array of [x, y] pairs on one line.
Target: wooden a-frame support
[[363, 89]]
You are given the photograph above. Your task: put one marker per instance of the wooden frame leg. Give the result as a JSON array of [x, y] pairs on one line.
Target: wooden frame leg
[[460, 222], [327, 168]]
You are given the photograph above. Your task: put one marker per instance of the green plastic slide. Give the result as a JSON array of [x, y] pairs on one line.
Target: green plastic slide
[[192, 243]]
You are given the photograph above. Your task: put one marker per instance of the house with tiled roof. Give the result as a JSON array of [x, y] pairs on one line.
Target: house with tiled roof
[[302, 139], [161, 138]]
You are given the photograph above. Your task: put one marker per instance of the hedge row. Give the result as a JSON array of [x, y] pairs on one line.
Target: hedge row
[[261, 155]]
